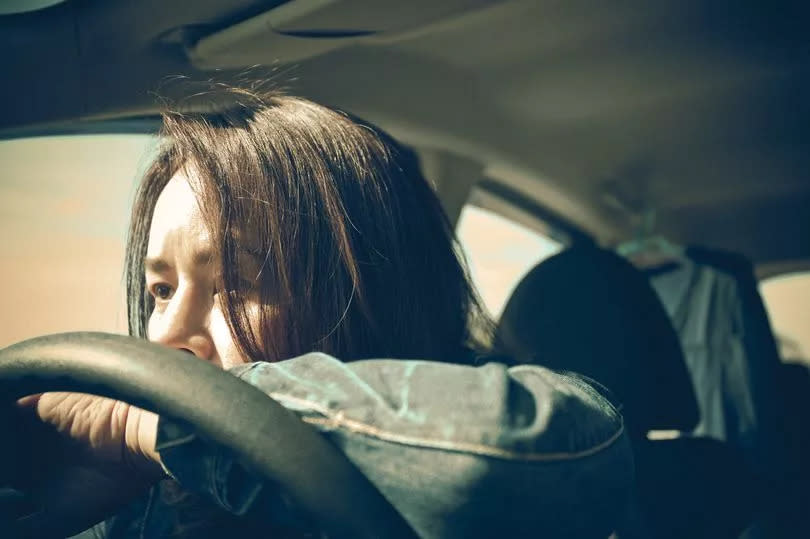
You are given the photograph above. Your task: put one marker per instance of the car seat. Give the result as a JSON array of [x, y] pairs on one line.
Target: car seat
[[590, 311]]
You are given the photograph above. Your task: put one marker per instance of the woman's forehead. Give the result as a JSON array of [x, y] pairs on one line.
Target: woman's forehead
[[179, 222], [177, 218]]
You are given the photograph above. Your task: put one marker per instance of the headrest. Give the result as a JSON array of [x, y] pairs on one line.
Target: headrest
[[590, 311]]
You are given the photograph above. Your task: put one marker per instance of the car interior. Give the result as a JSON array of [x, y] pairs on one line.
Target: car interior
[[659, 150]]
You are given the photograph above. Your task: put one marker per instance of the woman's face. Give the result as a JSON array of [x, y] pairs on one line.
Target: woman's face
[[181, 275]]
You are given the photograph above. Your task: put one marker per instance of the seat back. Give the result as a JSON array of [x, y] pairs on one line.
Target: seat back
[[590, 311]]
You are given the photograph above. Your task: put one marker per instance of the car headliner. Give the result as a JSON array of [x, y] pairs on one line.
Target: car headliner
[[598, 112]]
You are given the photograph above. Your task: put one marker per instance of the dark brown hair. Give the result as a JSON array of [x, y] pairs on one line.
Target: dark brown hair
[[358, 258]]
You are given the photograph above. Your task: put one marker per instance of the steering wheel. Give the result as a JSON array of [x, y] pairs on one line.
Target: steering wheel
[[264, 435]]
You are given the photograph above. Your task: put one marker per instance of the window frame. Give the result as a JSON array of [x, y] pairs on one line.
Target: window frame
[[136, 125], [490, 195], [521, 211]]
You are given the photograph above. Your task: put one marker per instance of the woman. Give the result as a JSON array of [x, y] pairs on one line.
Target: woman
[[280, 228]]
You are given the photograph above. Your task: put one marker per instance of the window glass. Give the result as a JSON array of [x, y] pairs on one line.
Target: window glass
[[787, 299], [64, 205], [499, 252]]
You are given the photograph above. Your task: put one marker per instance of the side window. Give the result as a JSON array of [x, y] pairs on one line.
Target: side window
[[787, 298], [64, 206], [500, 251]]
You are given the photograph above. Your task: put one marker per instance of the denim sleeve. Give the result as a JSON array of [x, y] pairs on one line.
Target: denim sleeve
[[459, 451]]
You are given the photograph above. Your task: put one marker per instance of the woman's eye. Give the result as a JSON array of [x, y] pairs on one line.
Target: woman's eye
[[161, 291], [242, 286]]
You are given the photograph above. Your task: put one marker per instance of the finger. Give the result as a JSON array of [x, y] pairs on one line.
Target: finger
[[29, 401]]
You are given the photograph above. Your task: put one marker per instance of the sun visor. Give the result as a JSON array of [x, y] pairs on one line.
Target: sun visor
[[303, 29], [15, 7]]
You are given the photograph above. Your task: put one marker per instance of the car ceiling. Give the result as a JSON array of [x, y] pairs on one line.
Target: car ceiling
[[599, 112]]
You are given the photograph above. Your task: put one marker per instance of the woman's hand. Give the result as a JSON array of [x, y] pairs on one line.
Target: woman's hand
[[86, 456], [103, 430]]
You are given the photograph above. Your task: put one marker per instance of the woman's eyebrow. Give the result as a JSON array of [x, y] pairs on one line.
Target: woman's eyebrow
[[202, 258], [155, 265], [158, 265]]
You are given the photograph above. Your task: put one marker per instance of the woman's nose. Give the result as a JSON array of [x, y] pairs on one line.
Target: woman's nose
[[183, 325]]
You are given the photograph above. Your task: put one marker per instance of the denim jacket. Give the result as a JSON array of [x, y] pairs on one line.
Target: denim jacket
[[459, 451]]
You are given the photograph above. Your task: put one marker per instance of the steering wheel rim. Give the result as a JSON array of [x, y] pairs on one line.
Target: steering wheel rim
[[267, 437]]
